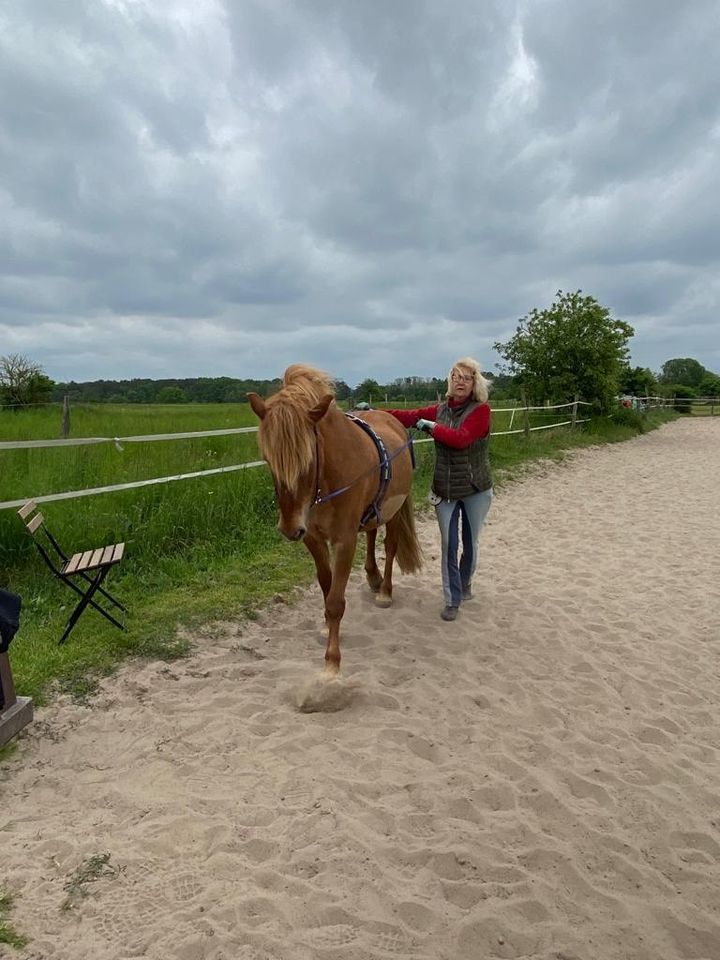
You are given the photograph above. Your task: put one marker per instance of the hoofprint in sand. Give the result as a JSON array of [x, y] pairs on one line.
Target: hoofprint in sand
[[540, 778]]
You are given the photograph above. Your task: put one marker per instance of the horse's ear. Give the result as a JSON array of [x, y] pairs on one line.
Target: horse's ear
[[321, 408], [258, 404]]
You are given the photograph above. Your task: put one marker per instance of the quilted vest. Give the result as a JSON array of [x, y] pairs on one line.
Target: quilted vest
[[460, 473]]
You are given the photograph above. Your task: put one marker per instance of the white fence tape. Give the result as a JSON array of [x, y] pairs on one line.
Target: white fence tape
[[80, 441], [89, 492]]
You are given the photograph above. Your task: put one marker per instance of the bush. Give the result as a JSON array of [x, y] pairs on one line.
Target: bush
[[627, 417], [683, 398]]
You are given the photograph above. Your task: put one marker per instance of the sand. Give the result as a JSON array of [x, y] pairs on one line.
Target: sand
[[539, 779]]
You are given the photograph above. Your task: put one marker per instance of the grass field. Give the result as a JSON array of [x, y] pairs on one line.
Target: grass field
[[197, 550]]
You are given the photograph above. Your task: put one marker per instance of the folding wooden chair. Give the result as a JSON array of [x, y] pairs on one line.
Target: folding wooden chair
[[83, 572]]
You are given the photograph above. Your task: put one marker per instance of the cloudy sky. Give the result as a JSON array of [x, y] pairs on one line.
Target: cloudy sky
[[224, 187]]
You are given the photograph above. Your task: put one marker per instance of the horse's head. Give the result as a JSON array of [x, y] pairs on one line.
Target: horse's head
[[288, 440]]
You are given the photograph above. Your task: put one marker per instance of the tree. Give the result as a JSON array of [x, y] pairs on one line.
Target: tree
[[573, 348], [171, 395], [342, 390], [683, 370], [709, 386], [23, 381], [369, 390], [637, 381]]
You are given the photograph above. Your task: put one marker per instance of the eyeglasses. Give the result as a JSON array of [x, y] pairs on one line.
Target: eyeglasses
[[461, 378]]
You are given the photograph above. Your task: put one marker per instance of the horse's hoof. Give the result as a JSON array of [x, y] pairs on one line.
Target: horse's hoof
[[382, 600]]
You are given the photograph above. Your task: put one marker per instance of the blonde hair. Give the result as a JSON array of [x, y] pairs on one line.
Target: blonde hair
[[481, 386]]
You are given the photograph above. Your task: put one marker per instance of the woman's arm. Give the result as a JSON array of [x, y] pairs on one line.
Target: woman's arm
[[475, 426], [408, 418]]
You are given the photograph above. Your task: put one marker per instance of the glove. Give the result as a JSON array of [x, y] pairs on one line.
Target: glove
[[362, 405], [425, 425]]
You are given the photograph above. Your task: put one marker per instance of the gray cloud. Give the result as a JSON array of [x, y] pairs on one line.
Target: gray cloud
[[223, 188]]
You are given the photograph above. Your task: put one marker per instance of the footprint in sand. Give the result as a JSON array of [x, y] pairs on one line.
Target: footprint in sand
[[425, 749], [258, 851], [184, 887], [248, 952], [391, 939], [654, 735], [701, 842], [333, 936], [587, 790], [126, 915]]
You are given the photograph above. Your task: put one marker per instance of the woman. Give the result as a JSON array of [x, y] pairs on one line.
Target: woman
[[462, 482]]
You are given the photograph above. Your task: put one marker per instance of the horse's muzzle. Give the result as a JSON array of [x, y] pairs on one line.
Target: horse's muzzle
[[296, 535]]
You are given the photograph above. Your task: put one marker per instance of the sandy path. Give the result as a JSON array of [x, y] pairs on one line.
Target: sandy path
[[539, 779]]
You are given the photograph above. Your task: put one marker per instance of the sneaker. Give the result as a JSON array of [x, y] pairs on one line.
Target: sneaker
[[467, 592], [449, 613]]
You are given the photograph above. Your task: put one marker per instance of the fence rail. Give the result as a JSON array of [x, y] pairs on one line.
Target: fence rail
[[630, 400], [148, 438]]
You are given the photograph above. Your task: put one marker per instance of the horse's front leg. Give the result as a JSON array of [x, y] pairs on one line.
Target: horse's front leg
[[344, 553], [321, 555], [371, 568]]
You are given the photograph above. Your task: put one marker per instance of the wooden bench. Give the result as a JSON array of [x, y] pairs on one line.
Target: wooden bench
[[15, 712], [84, 571]]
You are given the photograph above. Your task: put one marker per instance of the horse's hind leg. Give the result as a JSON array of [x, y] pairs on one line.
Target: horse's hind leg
[[384, 596], [371, 568]]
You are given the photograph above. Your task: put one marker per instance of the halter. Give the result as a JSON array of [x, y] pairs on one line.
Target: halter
[[373, 510]]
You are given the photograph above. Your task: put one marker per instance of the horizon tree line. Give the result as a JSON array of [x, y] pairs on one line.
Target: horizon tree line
[[574, 348]]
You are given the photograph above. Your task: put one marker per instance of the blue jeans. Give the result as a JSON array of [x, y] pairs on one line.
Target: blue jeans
[[460, 524]]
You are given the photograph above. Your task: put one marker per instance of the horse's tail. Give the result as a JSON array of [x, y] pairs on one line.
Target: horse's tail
[[409, 554]]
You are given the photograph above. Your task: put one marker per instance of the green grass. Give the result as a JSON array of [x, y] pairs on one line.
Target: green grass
[[122, 420], [37, 472], [7, 933], [197, 550], [90, 871]]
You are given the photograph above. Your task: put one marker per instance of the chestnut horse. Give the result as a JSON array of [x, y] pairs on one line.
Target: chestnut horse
[[333, 480]]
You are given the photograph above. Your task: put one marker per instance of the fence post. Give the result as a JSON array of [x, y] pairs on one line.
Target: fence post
[[65, 428], [526, 414], [574, 412]]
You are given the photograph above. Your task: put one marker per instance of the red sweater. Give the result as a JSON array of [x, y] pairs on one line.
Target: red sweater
[[473, 427]]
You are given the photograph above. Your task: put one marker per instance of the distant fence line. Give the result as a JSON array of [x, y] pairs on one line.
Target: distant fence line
[[112, 488], [149, 438], [671, 401]]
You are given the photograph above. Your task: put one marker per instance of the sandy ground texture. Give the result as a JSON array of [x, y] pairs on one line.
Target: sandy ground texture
[[539, 779]]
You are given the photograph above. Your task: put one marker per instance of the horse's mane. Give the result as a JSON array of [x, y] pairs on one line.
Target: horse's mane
[[286, 437]]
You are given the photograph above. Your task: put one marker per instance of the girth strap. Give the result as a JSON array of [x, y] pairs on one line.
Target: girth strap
[[373, 510]]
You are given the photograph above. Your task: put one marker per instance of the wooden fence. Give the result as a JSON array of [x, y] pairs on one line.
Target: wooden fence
[[571, 410]]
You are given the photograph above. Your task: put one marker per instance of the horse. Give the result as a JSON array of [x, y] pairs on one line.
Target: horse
[[337, 475]]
